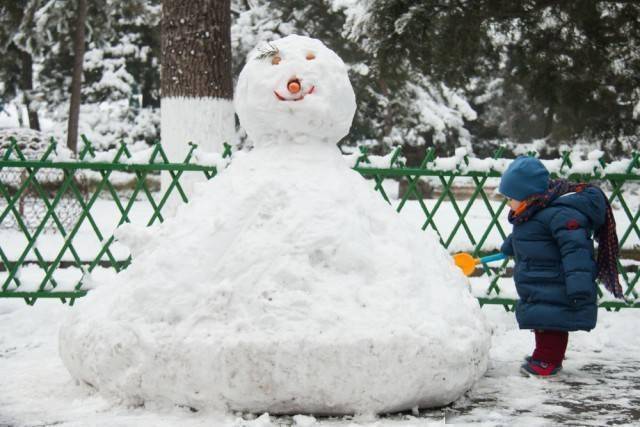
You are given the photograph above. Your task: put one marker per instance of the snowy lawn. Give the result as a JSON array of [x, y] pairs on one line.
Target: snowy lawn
[[598, 386]]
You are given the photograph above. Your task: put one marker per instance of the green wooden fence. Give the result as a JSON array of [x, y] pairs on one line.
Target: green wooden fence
[[616, 177], [37, 264], [67, 253]]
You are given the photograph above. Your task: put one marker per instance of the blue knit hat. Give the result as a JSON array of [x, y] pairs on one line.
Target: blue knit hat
[[524, 177]]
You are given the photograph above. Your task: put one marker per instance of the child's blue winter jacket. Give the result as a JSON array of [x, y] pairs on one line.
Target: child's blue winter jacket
[[555, 267]]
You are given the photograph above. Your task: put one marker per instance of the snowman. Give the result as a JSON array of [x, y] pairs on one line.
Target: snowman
[[287, 285]]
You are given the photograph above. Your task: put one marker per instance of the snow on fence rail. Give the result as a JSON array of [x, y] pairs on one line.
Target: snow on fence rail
[[36, 264]]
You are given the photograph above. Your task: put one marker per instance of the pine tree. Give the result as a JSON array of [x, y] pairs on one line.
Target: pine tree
[[121, 96], [17, 57], [121, 90], [579, 60], [533, 69]]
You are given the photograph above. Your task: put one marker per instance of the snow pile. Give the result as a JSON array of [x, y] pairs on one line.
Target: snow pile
[[32, 144], [287, 285]]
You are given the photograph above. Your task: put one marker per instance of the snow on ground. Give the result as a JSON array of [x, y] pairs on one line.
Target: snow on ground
[[599, 385]]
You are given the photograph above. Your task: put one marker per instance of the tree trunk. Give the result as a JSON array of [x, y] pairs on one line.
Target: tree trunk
[[196, 49], [76, 81], [27, 86], [197, 88]]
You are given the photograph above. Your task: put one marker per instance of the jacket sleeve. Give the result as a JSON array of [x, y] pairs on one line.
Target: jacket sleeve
[[570, 230], [507, 246]]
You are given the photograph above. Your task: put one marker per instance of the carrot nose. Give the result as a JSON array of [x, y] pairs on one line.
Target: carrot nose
[[294, 86]]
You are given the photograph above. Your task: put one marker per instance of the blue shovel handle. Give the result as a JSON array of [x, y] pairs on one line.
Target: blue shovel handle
[[490, 258]]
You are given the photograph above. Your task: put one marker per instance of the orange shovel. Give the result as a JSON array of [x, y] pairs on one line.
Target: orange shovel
[[467, 263]]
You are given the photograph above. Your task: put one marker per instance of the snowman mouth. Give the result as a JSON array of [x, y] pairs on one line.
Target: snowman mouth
[[297, 98]]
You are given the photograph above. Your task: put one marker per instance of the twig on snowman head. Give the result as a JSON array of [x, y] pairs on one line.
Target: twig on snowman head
[[267, 51]]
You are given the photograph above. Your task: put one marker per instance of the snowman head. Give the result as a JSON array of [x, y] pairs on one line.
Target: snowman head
[[293, 90]]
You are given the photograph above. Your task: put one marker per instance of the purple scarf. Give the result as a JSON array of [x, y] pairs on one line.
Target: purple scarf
[[608, 248]]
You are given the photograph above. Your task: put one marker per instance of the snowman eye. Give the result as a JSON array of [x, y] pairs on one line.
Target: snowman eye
[[310, 56], [276, 60]]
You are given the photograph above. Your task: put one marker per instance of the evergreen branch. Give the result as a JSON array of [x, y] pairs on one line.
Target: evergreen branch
[[267, 52]]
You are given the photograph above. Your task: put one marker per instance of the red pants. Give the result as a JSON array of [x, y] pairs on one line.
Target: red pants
[[550, 346]]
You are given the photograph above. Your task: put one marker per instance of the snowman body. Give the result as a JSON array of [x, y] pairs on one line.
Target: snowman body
[[286, 285]]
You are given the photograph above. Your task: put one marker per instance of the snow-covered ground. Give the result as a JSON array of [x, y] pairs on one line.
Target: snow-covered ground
[[599, 384]]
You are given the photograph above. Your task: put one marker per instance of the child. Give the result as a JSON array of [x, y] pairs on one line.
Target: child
[[555, 269]]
